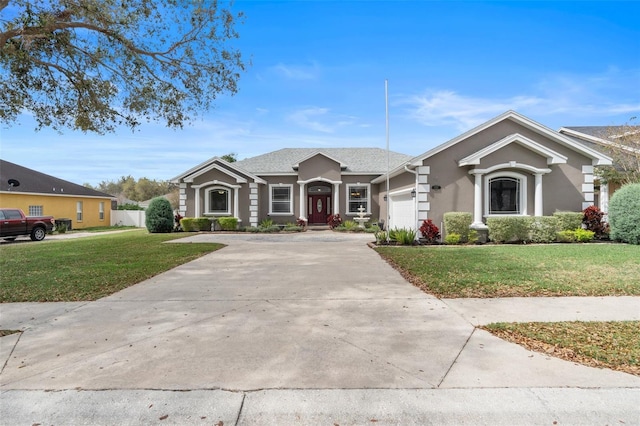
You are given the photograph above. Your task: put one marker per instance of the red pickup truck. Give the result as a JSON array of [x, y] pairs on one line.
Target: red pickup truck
[[13, 223]]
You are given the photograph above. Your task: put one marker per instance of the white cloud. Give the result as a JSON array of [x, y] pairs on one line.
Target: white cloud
[[308, 118], [574, 97], [297, 72]]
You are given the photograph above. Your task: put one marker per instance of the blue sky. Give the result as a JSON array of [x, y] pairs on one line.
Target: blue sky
[[318, 70]]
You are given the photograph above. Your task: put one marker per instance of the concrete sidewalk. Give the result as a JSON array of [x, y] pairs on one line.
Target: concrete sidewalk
[[294, 329]]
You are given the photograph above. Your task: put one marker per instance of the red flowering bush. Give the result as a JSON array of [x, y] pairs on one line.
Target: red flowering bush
[[429, 231], [592, 220], [334, 221]]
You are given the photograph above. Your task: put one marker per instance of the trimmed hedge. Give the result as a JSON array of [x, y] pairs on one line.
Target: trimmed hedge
[[624, 214], [458, 223], [544, 229], [509, 229], [568, 221], [228, 223], [194, 224]]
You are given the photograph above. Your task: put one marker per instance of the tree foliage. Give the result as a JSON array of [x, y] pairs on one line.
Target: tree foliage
[[624, 148], [231, 157], [94, 65], [142, 189], [159, 216]]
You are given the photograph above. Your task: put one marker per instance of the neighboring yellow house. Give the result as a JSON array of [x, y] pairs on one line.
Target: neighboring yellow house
[[40, 194]]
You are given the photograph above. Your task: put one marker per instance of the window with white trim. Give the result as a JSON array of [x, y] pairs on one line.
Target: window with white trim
[[281, 199], [218, 201], [79, 211], [101, 210], [505, 194], [36, 210], [358, 195]]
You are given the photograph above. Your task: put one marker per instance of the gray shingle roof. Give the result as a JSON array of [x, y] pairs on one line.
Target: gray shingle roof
[[356, 160], [32, 181]]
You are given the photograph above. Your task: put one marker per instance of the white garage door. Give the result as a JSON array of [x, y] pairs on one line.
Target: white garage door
[[403, 212]]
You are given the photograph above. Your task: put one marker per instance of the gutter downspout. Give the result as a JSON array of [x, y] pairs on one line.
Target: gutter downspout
[[415, 200]]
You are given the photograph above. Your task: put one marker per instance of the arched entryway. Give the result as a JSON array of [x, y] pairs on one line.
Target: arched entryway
[[319, 202]]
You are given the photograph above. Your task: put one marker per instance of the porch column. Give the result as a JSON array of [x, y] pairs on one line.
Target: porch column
[[236, 213], [197, 199], [538, 210], [336, 198], [477, 202], [303, 201]]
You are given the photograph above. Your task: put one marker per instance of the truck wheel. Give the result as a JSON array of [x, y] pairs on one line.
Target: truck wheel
[[38, 233]]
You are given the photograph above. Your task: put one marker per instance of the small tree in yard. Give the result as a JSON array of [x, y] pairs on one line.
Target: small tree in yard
[[624, 214], [159, 216]]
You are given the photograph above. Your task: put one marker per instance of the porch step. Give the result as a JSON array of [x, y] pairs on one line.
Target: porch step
[[318, 227]]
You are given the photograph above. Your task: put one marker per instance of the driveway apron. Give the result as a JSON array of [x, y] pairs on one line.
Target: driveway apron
[[318, 310]]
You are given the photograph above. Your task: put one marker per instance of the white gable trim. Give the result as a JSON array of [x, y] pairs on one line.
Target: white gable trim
[[216, 182], [510, 165], [210, 164], [597, 158], [313, 154], [319, 178], [597, 140], [552, 156]]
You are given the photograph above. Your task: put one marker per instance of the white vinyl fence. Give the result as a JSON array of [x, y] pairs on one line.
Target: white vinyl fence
[[128, 218]]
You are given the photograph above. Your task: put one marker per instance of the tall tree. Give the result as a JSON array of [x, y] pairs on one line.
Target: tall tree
[[623, 146], [231, 157], [94, 65]]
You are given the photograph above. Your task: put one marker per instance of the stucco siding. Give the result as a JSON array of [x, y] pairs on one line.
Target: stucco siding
[[319, 165], [62, 207]]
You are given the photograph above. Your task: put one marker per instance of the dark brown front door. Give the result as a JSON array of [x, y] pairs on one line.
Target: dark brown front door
[[319, 208]]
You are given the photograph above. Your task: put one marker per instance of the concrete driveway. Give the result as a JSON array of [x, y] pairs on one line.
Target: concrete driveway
[[271, 318]]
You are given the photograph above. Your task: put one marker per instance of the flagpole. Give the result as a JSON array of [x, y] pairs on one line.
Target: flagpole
[[386, 113]]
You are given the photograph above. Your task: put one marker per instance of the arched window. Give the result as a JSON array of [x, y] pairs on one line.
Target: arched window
[[218, 201], [505, 194]]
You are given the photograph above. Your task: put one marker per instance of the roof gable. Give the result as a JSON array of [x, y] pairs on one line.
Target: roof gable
[[597, 157], [552, 156], [221, 165], [313, 154]]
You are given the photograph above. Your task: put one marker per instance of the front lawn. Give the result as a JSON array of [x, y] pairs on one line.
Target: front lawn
[[89, 268], [614, 345], [518, 270]]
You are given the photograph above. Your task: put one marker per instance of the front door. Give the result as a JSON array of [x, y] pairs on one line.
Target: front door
[[319, 208]]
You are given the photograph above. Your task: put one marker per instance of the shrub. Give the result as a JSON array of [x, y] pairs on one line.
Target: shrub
[[583, 235], [403, 236], [188, 224], [334, 221], [624, 214], [569, 220], [301, 223], [473, 236], [159, 216], [203, 223], [452, 238], [228, 223], [544, 229], [429, 231], [61, 227], [349, 225], [509, 229], [266, 223], [130, 206], [592, 220], [576, 235], [458, 223], [381, 237]]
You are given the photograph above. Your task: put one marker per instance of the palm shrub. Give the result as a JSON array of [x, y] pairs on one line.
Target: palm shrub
[[624, 214], [159, 216], [403, 236]]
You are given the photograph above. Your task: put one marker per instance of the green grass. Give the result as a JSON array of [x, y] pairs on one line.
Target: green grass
[[614, 345], [514, 270], [89, 268]]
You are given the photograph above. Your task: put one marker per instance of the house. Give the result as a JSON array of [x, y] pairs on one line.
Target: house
[[40, 194], [509, 165], [599, 138]]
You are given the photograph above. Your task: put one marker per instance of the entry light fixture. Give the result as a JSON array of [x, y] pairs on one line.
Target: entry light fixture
[[413, 193]]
